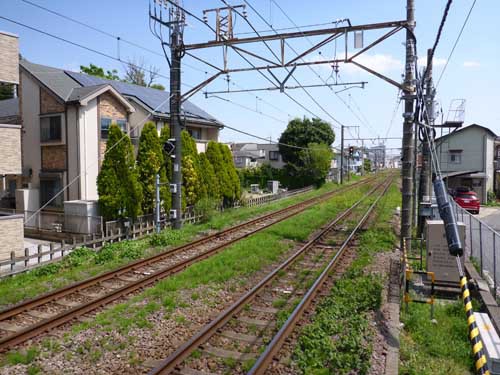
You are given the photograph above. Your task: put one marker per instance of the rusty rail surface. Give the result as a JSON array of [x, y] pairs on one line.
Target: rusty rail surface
[[248, 228], [173, 362]]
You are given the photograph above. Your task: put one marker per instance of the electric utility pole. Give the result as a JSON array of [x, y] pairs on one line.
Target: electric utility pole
[[408, 115], [342, 155], [424, 192], [175, 24], [175, 114]]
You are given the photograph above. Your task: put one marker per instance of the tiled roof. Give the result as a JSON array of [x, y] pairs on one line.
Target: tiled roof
[[68, 85]]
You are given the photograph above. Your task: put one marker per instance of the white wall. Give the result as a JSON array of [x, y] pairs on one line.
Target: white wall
[[31, 124], [72, 150], [89, 150]]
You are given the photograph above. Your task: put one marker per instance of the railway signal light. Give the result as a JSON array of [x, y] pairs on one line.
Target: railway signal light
[[351, 151]]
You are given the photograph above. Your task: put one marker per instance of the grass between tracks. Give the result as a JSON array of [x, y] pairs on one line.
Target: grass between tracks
[[84, 263], [237, 261], [338, 339]]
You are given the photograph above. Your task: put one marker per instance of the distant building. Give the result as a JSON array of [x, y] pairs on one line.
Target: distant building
[[377, 156], [466, 158], [251, 155]]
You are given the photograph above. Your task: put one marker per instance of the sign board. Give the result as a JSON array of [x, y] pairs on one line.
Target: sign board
[[9, 58], [439, 259]]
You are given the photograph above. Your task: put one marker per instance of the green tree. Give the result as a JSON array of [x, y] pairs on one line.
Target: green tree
[[97, 71], [190, 181], [164, 137], [231, 170], [216, 158], [301, 133], [367, 165], [150, 161], [209, 179], [158, 86], [6, 92], [306, 166], [120, 193]]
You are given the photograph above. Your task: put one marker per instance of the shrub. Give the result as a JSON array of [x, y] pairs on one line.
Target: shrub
[[206, 208]]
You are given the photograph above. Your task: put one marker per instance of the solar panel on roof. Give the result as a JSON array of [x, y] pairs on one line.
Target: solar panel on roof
[[155, 99]]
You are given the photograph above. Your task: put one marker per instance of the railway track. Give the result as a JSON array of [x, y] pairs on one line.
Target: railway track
[[235, 342], [36, 316]]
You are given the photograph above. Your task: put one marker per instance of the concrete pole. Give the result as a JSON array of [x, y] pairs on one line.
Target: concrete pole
[[426, 172], [157, 203], [362, 158], [175, 123], [407, 144], [342, 155]]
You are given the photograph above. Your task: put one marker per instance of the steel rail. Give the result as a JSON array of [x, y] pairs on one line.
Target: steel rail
[[76, 311], [170, 363], [276, 343]]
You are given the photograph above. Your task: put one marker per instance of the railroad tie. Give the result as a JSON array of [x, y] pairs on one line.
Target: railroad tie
[[223, 353], [241, 337], [257, 322]]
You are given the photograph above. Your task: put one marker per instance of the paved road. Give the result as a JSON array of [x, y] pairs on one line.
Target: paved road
[[491, 216]]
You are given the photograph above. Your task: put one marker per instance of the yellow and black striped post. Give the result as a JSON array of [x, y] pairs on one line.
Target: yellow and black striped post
[[477, 344]]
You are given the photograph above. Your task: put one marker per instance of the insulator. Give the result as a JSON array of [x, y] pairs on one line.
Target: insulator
[[446, 213]]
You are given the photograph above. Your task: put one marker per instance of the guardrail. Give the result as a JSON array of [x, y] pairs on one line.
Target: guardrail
[[482, 244]]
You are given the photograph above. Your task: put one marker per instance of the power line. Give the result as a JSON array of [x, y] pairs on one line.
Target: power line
[[289, 28], [104, 32], [321, 78], [247, 108], [119, 38], [438, 37], [456, 42], [104, 54], [292, 76]]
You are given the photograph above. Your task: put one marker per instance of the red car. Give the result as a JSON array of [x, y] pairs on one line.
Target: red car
[[468, 200]]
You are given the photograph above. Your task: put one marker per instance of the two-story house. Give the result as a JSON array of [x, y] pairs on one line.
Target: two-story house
[[466, 159], [251, 155], [66, 117]]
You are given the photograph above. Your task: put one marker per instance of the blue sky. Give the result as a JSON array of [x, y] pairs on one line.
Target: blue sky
[[471, 74]]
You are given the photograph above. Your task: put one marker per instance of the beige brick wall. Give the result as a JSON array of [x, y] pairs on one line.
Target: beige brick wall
[[111, 107], [49, 104], [102, 151], [9, 58], [10, 149], [12, 235], [54, 157]]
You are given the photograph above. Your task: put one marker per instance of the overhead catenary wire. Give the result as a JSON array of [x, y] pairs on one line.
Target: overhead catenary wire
[[106, 33], [292, 76], [456, 43], [314, 71]]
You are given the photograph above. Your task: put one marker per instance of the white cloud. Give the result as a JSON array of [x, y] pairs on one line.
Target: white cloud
[[381, 63], [437, 61], [472, 64]]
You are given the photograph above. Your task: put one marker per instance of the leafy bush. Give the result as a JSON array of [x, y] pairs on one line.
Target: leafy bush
[[166, 238], [49, 269], [106, 254], [78, 257], [492, 198], [206, 208]]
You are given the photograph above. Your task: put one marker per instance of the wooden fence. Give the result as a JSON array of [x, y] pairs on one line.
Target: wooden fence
[[113, 233]]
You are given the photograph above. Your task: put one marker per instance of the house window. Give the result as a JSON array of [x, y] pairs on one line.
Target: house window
[[50, 128], [106, 123], [195, 133], [49, 187], [274, 155], [455, 158]]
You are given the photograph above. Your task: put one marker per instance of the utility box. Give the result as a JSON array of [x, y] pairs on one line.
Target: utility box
[[254, 188], [491, 341], [273, 186], [439, 259], [81, 216]]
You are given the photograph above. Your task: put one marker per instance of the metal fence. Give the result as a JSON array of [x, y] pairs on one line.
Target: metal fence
[[482, 243]]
